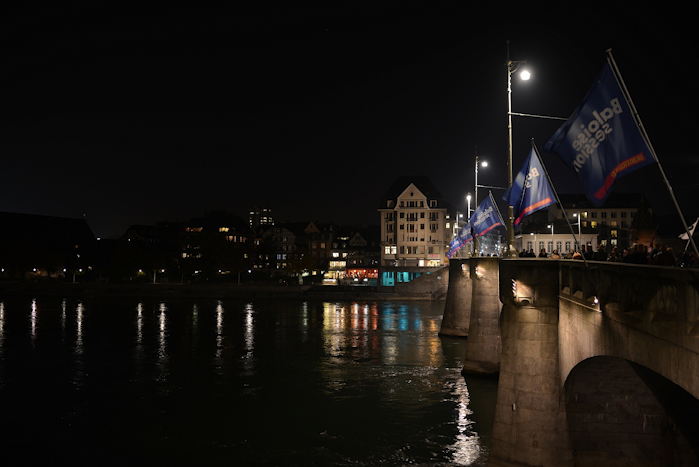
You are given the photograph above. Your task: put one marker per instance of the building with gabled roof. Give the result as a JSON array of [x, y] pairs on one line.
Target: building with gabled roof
[[415, 230]]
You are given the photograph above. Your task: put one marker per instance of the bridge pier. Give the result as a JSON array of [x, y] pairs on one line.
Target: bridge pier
[[483, 346], [457, 308], [530, 422]]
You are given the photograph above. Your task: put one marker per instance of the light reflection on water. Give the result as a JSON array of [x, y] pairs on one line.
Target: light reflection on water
[[32, 319], [359, 383], [2, 326]]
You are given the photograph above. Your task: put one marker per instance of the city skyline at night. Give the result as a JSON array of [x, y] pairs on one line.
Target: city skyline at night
[[128, 118]]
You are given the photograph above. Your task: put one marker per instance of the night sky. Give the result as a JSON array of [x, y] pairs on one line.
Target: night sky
[[132, 116]]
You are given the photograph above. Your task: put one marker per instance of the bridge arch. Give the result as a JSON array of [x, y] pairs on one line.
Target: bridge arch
[[620, 413]]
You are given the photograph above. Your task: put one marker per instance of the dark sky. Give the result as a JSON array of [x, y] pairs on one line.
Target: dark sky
[[133, 116]]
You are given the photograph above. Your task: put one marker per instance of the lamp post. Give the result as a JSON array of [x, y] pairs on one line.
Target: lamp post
[[577, 214], [550, 226], [483, 164], [468, 219], [512, 66]]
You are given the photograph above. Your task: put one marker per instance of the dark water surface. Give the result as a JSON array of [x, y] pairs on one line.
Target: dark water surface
[[180, 382]]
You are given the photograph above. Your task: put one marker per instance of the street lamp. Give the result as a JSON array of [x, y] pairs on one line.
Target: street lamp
[[577, 214], [483, 164], [512, 66], [468, 204]]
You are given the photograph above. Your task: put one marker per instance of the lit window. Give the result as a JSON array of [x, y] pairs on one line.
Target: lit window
[[336, 254], [223, 229]]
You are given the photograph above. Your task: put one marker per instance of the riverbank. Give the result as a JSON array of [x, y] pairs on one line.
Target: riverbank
[[220, 291]]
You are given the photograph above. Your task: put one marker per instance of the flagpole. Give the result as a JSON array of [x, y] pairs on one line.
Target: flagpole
[[646, 138], [563, 211]]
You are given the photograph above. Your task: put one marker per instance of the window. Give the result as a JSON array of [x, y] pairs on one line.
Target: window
[[448, 225], [593, 215], [613, 223], [541, 245], [422, 215], [389, 227], [623, 215], [530, 245], [401, 226], [402, 215], [422, 226], [567, 246], [430, 250], [549, 247], [593, 224], [434, 216], [614, 233], [559, 246], [613, 215], [223, 229], [433, 203], [433, 227], [603, 215]]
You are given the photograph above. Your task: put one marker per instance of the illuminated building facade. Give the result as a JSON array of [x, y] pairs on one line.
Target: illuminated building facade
[[416, 228]]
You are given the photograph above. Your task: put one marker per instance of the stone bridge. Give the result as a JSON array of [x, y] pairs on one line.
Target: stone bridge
[[597, 363]]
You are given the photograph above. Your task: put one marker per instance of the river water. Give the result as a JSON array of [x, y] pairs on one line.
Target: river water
[[105, 382]]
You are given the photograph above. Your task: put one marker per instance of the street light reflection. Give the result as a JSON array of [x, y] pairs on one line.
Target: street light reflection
[[467, 449]]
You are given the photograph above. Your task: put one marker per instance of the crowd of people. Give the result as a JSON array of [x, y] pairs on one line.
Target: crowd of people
[[658, 255]]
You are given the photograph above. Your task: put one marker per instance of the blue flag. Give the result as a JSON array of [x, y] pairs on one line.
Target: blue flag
[[601, 140], [463, 237], [530, 190], [486, 217]]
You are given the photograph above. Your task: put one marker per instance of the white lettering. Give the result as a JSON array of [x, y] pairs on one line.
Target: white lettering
[[590, 135]]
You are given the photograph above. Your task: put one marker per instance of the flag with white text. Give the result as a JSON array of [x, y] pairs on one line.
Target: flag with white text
[[486, 217], [530, 190], [463, 237], [601, 140]]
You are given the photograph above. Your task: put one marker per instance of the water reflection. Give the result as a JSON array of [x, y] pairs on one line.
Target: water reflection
[[195, 326], [79, 329], [467, 448], [162, 331], [304, 321], [139, 325], [32, 319], [219, 332], [365, 383], [79, 373], [64, 309], [249, 330], [2, 326]]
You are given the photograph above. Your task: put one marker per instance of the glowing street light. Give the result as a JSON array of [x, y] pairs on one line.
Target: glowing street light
[[512, 66]]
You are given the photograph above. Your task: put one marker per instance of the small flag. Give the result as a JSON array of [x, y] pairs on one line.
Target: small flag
[[530, 191], [486, 217], [463, 237], [601, 140], [684, 235]]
